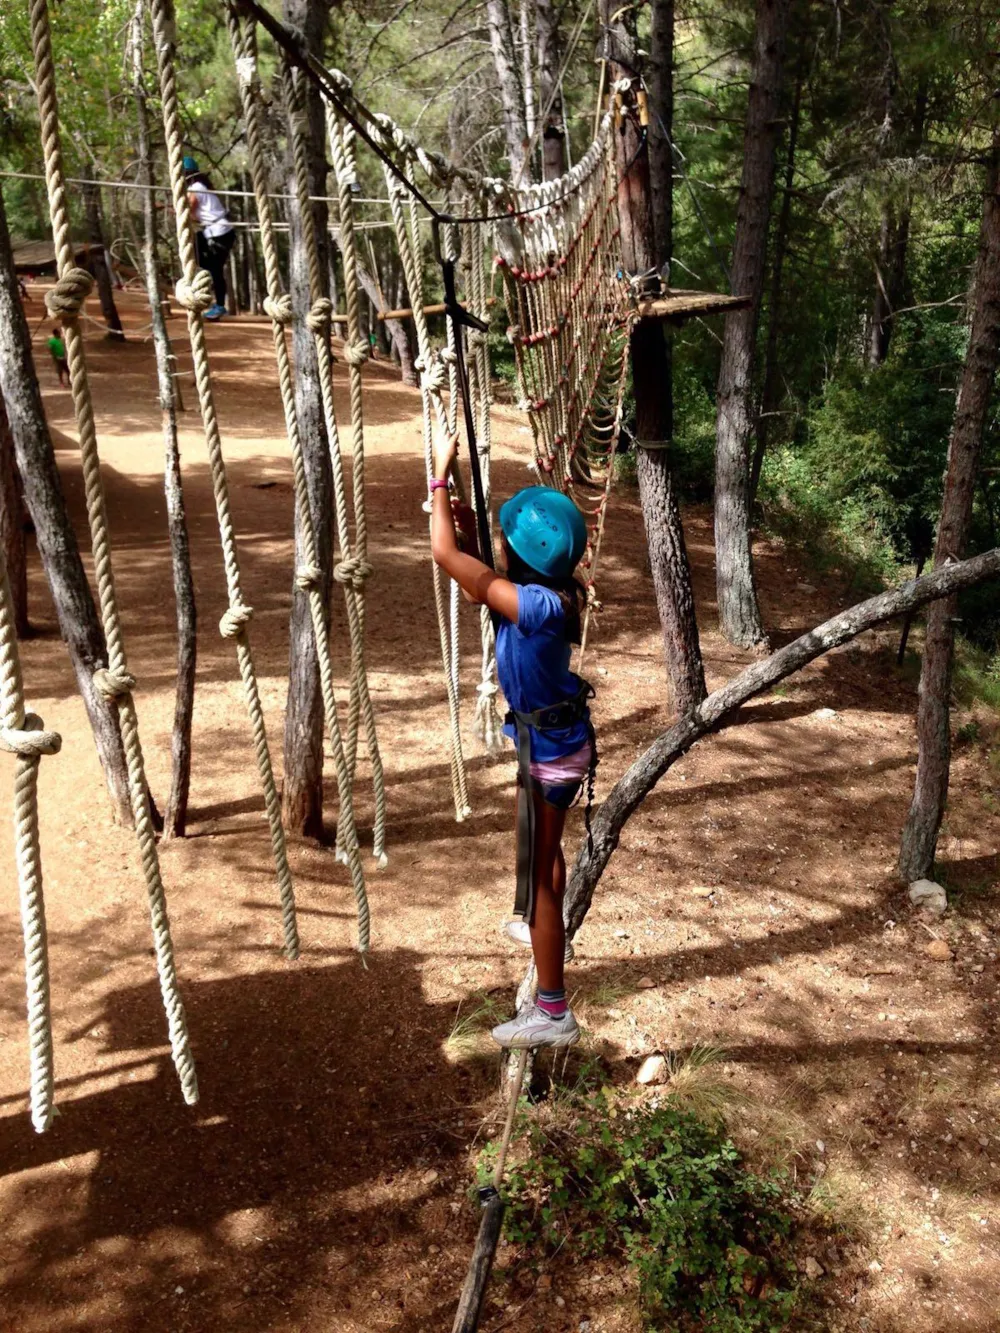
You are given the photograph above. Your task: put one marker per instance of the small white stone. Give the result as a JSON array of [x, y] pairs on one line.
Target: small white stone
[[813, 1268], [931, 897], [820, 1146], [652, 1070], [824, 714]]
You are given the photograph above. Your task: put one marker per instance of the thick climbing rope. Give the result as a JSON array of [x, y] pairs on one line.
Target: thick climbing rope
[[309, 576], [194, 294], [352, 570], [354, 565], [23, 735], [64, 302]]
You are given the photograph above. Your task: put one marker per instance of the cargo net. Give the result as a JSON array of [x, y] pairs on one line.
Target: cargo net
[[568, 312]]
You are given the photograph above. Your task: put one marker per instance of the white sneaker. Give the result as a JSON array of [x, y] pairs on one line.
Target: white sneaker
[[534, 1027], [520, 932]]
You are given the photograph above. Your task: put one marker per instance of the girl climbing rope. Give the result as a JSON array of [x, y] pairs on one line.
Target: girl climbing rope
[[215, 232], [537, 610]]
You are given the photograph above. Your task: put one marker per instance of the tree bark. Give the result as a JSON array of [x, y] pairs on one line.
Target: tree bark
[[12, 518], [653, 399], [770, 394], [395, 328], [894, 239], [302, 794], [175, 815], [528, 68], [511, 93], [739, 614], [99, 262], [919, 841], [661, 129], [634, 786], [553, 129], [57, 545]]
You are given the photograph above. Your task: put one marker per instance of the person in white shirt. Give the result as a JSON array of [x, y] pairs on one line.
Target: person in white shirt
[[215, 232]]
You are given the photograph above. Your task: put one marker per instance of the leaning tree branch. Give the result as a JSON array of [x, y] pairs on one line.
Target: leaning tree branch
[[639, 780]]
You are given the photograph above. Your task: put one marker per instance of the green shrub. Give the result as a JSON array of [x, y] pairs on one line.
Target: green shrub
[[707, 1237]]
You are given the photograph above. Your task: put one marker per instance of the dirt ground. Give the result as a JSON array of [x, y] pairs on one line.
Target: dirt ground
[[322, 1181]]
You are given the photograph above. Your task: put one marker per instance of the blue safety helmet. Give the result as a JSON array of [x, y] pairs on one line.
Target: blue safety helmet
[[545, 529], [190, 164]]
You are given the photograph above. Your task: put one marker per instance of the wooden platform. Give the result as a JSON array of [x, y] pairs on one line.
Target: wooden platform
[[40, 256], [679, 304]]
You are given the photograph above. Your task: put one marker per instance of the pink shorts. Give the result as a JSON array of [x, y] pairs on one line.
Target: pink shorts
[[563, 771]]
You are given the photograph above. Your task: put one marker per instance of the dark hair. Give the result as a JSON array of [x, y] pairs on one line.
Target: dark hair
[[198, 178], [57, 329], [570, 590]]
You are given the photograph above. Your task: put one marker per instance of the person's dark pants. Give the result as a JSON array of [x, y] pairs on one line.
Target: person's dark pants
[[213, 254]]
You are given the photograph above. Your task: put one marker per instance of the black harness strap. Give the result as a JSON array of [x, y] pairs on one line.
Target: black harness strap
[[557, 717]]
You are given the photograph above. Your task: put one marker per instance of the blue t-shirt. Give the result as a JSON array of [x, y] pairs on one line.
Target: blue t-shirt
[[533, 668]]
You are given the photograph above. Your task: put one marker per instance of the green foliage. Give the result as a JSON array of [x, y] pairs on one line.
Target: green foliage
[[708, 1238]]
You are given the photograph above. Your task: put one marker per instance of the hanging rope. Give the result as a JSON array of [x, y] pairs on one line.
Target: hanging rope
[[22, 735], [194, 295], [64, 302], [356, 351], [309, 577]]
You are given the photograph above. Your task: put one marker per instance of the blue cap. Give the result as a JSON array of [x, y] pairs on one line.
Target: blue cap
[[545, 528], [189, 164]]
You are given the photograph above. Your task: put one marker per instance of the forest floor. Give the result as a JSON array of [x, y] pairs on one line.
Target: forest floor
[[323, 1180]]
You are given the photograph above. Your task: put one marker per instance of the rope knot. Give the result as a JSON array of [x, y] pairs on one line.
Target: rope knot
[[477, 339], [113, 684], [31, 739], [65, 300], [196, 295], [279, 308], [236, 619], [308, 577], [356, 354], [433, 374], [354, 571], [320, 315], [449, 356]]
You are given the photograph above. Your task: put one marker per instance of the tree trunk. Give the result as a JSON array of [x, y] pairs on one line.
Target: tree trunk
[[661, 129], [894, 239], [528, 68], [653, 400], [919, 841], [553, 130], [511, 94], [770, 395], [629, 792], [395, 328], [175, 815], [739, 614], [57, 545], [12, 517], [302, 794], [99, 263]]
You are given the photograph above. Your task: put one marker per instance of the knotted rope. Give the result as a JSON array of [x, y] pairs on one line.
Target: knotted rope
[[68, 288], [22, 735], [351, 577], [355, 567], [192, 290], [309, 575]]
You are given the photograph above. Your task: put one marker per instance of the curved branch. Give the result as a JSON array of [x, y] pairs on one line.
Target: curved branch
[[638, 781]]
